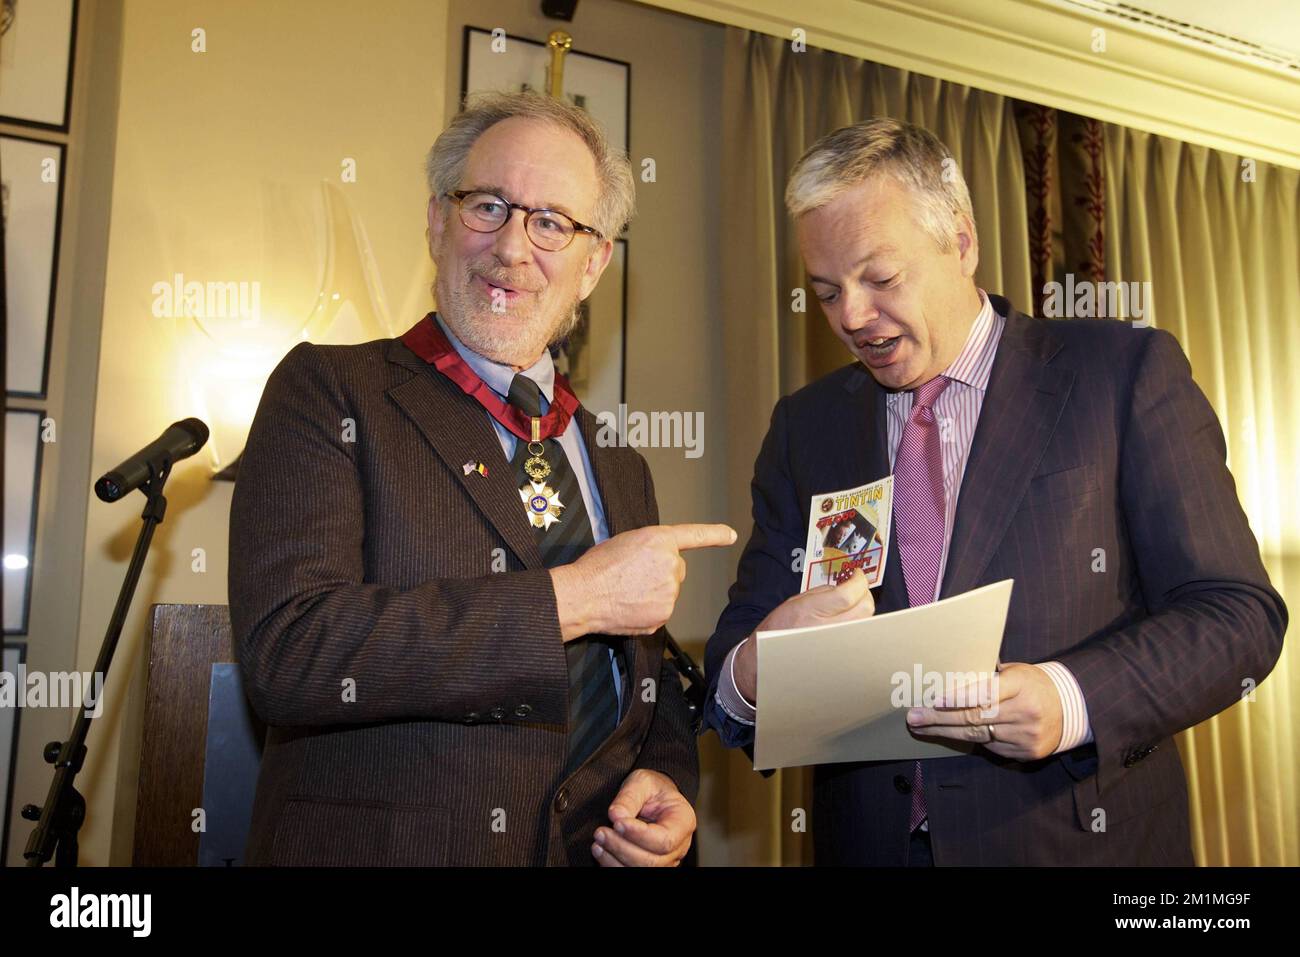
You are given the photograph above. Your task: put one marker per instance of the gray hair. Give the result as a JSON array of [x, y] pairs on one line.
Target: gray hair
[[912, 155], [616, 192]]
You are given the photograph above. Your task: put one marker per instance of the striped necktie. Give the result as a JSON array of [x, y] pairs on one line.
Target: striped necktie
[[593, 698], [919, 519]]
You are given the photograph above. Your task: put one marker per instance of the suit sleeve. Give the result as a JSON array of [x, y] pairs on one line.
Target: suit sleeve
[[767, 574], [320, 645], [670, 747], [1216, 623]]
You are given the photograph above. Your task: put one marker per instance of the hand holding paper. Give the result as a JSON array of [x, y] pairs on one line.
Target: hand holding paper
[[1024, 723], [823, 605], [840, 691]]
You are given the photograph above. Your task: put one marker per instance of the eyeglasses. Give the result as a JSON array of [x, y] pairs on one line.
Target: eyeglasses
[[546, 228]]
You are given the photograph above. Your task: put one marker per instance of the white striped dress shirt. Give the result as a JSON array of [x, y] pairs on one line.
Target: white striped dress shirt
[[957, 411]]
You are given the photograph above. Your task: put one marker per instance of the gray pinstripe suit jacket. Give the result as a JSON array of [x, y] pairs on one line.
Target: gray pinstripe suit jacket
[[1092, 436], [361, 557]]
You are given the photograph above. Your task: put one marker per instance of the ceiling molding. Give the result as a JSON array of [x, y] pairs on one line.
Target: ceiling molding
[[1044, 53]]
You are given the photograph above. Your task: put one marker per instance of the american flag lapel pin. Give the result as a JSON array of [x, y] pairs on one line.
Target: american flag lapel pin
[[478, 467]]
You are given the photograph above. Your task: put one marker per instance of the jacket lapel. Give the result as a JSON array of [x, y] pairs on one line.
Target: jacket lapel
[[612, 488], [609, 485], [1021, 408], [459, 430]]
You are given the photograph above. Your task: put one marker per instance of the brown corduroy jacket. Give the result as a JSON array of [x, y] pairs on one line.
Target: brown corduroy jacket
[[397, 630]]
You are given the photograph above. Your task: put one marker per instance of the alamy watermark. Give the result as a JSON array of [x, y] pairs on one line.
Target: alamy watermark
[[945, 689], [652, 430], [192, 299], [53, 689], [1086, 299], [133, 912]]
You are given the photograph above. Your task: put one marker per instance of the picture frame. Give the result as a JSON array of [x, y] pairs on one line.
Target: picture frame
[[13, 657], [37, 52], [601, 85], [22, 482], [594, 356], [31, 204]]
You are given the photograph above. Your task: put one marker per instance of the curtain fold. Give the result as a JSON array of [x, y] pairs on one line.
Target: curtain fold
[[1215, 236]]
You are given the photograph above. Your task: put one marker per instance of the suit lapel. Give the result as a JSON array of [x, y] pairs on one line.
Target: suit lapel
[[612, 487], [865, 458], [609, 486], [460, 431], [1021, 408]]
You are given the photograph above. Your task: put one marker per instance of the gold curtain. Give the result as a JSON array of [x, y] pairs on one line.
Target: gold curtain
[[776, 103], [1216, 237]]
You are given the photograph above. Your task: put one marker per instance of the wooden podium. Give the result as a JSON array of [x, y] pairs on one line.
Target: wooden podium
[[191, 673]]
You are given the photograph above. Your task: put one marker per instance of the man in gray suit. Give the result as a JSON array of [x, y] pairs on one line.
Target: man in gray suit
[[447, 599]]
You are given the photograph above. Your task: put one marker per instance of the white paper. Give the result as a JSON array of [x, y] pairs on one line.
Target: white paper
[[831, 693]]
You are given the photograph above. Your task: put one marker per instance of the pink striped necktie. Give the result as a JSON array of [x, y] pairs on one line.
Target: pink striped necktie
[[919, 522]]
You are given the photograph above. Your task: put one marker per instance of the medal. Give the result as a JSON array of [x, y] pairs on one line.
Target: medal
[[542, 504], [535, 466]]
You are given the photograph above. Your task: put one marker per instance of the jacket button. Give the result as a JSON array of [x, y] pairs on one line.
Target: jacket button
[[497, 714], [523, 711], [471, 718], [562, 801], [902, 785]]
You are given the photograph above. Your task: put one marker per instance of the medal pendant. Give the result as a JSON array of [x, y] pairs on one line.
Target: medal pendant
[[541, 504], [536, 467]]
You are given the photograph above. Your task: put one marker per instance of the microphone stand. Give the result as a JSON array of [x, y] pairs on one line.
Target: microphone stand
[[65, 808]]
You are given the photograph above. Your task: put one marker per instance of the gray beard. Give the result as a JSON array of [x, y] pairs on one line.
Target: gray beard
[[475, 327]]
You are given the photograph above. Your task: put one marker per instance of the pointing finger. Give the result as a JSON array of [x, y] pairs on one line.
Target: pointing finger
[[701, 536]]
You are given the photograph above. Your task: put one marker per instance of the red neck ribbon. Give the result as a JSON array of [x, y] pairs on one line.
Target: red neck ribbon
[[427, 341]]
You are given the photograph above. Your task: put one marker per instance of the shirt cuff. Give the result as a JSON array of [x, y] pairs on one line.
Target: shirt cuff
[[1075, 728], [728, 695]]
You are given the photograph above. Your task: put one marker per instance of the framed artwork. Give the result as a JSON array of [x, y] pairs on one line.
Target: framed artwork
[[593, 357], [22, 467], [36, 54], [31, 202], [499, 61], [14, 656]]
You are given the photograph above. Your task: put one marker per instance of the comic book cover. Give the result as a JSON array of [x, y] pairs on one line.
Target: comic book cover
[[848, 530]]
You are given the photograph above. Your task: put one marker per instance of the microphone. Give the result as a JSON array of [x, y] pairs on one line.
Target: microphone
[[181, 440]]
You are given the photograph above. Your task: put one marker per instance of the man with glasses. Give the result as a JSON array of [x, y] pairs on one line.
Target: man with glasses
[[448, 599]]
